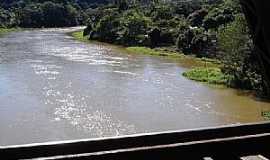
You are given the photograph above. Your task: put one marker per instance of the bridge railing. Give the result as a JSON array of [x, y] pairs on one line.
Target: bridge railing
[[224, 142]]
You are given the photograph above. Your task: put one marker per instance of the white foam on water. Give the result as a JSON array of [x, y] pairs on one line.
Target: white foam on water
[[123, 72]]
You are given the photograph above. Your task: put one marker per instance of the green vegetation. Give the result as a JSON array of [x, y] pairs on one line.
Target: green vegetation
[[209, 75], [149, 51], [240, 62], [4, 31], [45, 13], [266, 115], [78, 35]]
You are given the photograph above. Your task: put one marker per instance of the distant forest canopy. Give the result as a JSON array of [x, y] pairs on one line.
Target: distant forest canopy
[[15, 3], [45, 13], [42, 13]]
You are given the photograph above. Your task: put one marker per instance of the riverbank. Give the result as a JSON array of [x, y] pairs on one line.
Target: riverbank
[[208, 75], [204, 70], [78, 35], [163, 52], [4, 31]]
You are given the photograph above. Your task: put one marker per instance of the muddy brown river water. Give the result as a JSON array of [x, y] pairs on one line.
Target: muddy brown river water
[[53, 87]]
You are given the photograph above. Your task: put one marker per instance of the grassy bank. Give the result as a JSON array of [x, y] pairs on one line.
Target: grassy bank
[[156, 52], [4, 31], [78, 35], [266, 115], [208, 75], [207, 70]]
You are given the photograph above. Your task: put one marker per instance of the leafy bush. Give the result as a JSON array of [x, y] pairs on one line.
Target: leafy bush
[[31, 16], [209, 75], [48, 14], [160, 12], [7, 18], [107, 29], [238, 57], [196, 18], [135, 26], [194, 41], [128, 28], [221, 15], [168, 31], [186, 8]]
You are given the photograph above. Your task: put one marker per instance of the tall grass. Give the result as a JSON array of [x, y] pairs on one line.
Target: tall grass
[[209, 75]]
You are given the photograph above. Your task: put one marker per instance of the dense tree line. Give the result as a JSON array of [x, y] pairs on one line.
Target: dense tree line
[[7, 18], [190, 25], [205, 28], [45, 13]]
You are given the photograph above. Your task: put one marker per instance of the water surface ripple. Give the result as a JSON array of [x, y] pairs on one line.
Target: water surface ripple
[[55, 88]]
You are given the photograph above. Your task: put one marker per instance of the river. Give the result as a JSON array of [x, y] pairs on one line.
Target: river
[[53, 87]]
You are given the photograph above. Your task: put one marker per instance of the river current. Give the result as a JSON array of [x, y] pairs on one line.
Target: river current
[[53, 87]]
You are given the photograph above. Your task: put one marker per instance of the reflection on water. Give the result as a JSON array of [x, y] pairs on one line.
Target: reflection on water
[[55, 88]]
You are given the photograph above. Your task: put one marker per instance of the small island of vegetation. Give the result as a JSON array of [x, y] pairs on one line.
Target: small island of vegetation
[[209, 75]]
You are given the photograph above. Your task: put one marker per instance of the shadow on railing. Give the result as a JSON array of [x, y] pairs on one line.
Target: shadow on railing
[[225, 142]]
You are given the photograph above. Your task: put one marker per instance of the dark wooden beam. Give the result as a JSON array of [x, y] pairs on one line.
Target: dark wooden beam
[[131, 141], [234, 147]]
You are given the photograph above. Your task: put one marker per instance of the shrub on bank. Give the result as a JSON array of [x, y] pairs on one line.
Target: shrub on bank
[[129, 28], [7, 30], [238, 56], [195, 41], [209, 75], [79, 35]]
